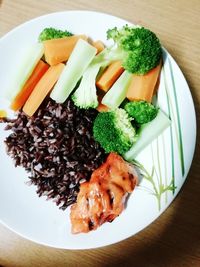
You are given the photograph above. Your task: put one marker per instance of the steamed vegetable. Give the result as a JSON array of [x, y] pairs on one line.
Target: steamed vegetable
[[114, 131], [85, 95], [52, 33], [3, 114], [139, 49], [141, 111], [98, 45], [101, 107], [78, 62], [88, 97], [110, 75], [30, 84], [142, 87], [59, 50], [42, 89], [117, 93], [148, 132], [24, 69]]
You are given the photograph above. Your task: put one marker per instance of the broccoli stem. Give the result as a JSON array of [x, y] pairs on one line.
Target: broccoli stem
[[117, 93], [79, 60], [85, 95]]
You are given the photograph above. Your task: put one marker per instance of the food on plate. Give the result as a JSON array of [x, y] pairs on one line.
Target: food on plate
[[110, 75], [99, 45], [21, 98], [114, 131], [56, 147], [59, 50], [53, 33], [42, 89], [77, 101], [3, 114], [24, 69], [117, 93], [85, 95], [142, 87], [147, 133], [102, 108], [102, 199], [80, 58], [141, 111], [137, 48]]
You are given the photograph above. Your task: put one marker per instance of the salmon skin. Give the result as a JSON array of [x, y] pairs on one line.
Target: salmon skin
[[102, 199]]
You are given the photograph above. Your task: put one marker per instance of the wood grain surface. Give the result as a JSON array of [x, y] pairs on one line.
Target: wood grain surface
[[174, 238]]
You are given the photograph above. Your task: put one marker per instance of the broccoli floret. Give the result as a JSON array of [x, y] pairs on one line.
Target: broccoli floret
[[138, 48], [114, 131], [52, 33], [85, 95], [141, 111]]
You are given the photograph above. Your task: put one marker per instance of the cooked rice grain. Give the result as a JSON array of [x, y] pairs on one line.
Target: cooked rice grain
[[56, 147]]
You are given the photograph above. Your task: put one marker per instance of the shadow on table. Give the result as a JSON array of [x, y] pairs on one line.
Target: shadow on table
[[175, 244]]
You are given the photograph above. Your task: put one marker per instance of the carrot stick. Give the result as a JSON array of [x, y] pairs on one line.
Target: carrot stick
[[30, 84], [98, 45], [101, 107], [109, 76], [156, 86], [42, 89], [142, 86], [3, 114], [59, 50]]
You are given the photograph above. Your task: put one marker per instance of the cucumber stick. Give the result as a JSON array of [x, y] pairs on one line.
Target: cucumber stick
[[25, 69], [81, 56], [117, 93], [147, 134]]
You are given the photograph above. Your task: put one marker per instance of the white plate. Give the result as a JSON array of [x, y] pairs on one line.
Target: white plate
[[170, 154]]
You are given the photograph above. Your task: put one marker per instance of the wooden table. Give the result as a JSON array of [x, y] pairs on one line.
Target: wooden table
[[174, 238]]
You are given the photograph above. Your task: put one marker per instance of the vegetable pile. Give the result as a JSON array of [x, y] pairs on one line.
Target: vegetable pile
[[117, 83]]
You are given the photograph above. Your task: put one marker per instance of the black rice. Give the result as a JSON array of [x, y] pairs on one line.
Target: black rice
[[56, 147]]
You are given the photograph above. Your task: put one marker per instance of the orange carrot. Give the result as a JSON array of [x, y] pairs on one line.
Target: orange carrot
[[156, 86], [30, 84], [142, 86], [101, 107], [109, 76], [42, 89], [3, 114], [59, 50], [98, 45]]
